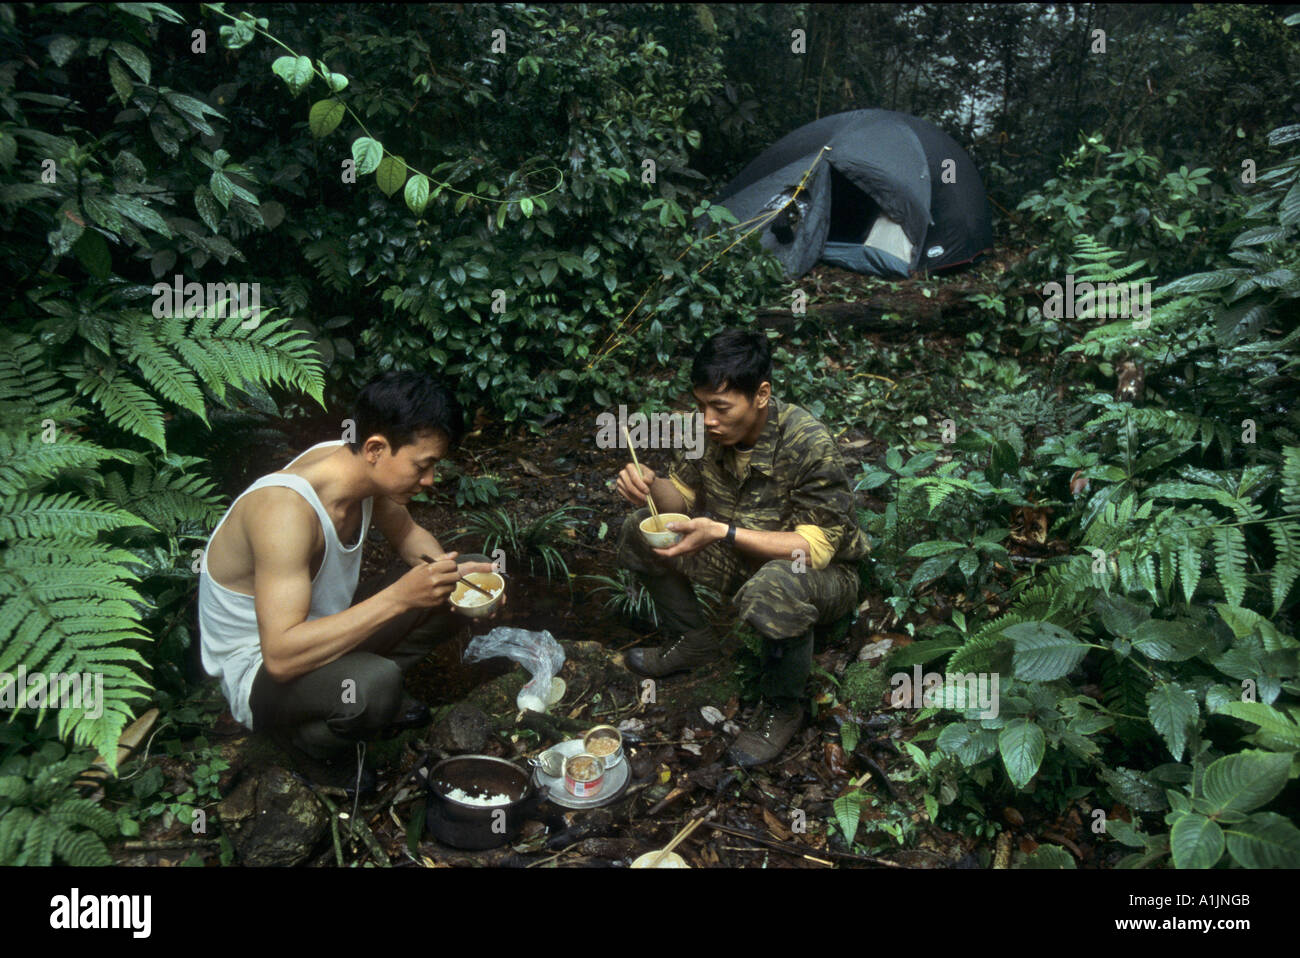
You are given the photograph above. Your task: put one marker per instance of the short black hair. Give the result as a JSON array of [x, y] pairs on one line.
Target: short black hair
[[733, 359], [401, 403]]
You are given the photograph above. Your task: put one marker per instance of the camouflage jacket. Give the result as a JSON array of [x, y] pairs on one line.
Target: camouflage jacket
[[795, 476]]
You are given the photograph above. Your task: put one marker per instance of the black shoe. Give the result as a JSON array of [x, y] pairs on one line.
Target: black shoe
[[414, 714]]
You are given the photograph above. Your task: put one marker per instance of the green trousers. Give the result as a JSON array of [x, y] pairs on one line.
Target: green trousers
[[778, 600], [358, 694]]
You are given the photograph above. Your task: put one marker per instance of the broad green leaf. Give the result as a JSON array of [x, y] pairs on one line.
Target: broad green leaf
[[92, 251], [1169, 641], [1172, 710], [62, 47], [1135, 789], [338, 82], [923, 550], [272, 214], [1119, 615], [970, 743], [222, 188], [1265, 840], [1124, 832], [1049, 856], [1196, 842], [367, 153], [325, 116], [122, 85], [969, 563], [206, 204], [391, 174], [526, 206], [295, 71], [1246, 780], [1044, 651], [931, 569], [1275, 729], [132, 57], [417, 193], [1022, 745]]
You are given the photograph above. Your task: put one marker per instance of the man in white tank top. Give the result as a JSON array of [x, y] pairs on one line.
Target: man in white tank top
[[297, 647]]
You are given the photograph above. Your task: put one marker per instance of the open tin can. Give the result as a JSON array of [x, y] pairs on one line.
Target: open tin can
[[606, 743], [584, 774]]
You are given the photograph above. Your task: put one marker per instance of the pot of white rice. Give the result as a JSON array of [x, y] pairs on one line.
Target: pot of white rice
[[478, 801]]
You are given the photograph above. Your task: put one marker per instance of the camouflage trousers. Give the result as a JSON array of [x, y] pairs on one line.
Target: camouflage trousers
[[780, 604]]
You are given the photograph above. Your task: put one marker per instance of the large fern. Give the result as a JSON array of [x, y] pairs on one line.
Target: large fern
[[42, 820], [70, 596]]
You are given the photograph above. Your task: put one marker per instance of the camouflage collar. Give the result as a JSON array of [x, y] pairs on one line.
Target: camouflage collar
[[764, 451]]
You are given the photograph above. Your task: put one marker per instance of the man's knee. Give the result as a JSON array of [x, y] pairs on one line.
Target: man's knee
[[370, 696], [778, 602], [633, 552]]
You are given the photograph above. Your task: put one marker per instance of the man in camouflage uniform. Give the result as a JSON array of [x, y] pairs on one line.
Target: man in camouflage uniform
[[774, 529]]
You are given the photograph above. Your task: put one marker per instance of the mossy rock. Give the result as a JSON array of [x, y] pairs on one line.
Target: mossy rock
[[864, 685]]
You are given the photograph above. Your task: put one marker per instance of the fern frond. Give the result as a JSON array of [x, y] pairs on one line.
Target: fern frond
[[1286, 565], [26, 460], [124, 403], [1230, 562], [159, 368], [61, 516]]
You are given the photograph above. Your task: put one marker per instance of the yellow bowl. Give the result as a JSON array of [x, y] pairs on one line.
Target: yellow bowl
[[655, 532], [475, 604]]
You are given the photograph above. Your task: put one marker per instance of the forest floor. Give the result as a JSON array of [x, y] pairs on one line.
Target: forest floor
[[781, 814]]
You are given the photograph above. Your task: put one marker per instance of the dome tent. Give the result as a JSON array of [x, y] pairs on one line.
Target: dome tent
[[877, 202]]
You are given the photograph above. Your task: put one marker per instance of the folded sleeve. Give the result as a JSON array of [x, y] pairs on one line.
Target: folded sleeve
[[686, 478], [687, 492], [821, 552]]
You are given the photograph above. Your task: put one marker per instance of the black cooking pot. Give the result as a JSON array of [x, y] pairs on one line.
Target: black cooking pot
[[462, 825]]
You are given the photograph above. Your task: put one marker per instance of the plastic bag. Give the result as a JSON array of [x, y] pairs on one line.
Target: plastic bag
[[538, 652]]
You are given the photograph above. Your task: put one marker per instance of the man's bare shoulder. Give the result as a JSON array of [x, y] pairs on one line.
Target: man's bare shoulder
[[280, 518]]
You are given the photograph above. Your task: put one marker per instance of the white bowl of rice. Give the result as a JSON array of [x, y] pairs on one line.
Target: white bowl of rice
[[473, 603]]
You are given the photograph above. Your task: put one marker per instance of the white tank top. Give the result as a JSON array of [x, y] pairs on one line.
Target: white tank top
[[229, 638]]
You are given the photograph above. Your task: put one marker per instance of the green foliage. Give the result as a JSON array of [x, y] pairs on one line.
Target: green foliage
[[41, 818], [626, 596], [1163, 580], [1121, 198], [108, 390], [520, 291], [537, 540]]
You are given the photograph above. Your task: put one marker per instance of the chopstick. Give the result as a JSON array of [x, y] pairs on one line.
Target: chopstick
[[680, 837], [490, 595], [648, 498]]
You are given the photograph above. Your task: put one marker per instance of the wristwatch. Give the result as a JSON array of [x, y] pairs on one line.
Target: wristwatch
[[731, 535]]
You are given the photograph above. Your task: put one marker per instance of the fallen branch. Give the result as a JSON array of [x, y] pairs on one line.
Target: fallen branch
[[802, 851], [174, 845]]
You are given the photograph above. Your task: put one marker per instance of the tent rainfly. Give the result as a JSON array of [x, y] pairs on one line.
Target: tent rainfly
[[893, 196]]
